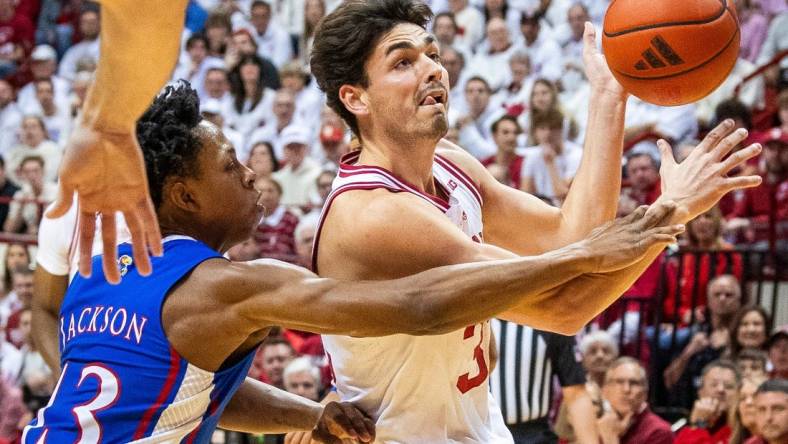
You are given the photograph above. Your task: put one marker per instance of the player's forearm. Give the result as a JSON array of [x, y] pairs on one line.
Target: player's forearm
[[47, 296], [593, 196], [140, 40], [261, 408], [581, 414]]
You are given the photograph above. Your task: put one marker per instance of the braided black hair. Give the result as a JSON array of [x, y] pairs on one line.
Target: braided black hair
[[166, 133]]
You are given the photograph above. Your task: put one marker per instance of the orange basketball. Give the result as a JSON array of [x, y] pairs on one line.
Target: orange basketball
[[671, 52]]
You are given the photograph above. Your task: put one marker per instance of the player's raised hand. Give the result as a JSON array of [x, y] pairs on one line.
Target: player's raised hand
[[598, 73], [108, 173], [342, 420], [699, 181], [624, 241]]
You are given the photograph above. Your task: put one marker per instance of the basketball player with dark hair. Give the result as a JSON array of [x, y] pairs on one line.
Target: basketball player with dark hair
[[408, 201], [165, 358]]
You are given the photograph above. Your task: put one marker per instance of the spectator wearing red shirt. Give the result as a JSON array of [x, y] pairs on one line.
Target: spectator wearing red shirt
[[704, 256], [764, 209], [506, 165], [16, 38], [643, 175], [720, 381], [276, 233], [630, 421]]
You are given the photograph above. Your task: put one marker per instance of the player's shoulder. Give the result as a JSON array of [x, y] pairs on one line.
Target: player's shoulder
[[369, 211], [464, 161]]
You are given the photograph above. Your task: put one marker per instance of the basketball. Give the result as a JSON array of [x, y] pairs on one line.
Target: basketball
[[671, 52]]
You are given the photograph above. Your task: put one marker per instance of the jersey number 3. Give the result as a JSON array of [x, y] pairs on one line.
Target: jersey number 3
[[466, 382]]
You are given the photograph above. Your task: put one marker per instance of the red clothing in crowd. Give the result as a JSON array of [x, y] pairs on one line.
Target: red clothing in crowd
[[693, 435], [693, 278], [515, 169], [275, 235], [649, 428], [757, 203], [16, 31]]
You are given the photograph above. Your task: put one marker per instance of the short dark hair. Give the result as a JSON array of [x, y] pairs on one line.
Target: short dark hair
[[92, 7], [194, 38], [724, 364], [505, 118], [777, 385], [446, 14], [259, 3], [345, 39], [276, 340], [218, 19], [735, 346], [166, 134], [733, 109], [550, 118], [479, 79], [753, 354]]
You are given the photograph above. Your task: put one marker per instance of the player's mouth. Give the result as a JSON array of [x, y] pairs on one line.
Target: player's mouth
[[434, 97]]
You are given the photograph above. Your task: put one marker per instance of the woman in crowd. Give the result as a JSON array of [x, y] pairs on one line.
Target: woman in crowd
[[16, 256], [314, 10], [544, 97], [743, 413], [262, 160], [750, 329], [252, 101]]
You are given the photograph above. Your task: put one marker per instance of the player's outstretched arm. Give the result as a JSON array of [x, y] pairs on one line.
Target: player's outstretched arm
[[695, 185], [260, 408], [140, 40], [264, 293]]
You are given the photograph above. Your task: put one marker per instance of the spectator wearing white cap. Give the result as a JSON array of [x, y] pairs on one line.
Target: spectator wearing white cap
[[88, 48], [213, 112], [299, 175], [43, 65]]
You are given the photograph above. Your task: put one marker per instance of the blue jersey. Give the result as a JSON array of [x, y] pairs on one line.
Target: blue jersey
[[122, 381]]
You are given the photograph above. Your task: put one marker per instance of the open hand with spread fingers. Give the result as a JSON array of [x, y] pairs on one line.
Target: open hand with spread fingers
[[699, 182]]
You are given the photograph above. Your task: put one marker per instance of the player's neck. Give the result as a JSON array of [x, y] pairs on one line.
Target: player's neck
[[411, 161], [170, 226]]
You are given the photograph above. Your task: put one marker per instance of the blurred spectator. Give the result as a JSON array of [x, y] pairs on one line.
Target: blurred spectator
[[742, 415], [272, 40], [549, 169], [703, 256], [751, 95], [35, 141], [751, 363], [283, 116], [79, 92], [217, 87], [544, 52], [275, 234], [13, 413], [629, 419], [543, 98], [454, 63], [299, 173], [10, 117], [505, 131], [598, 351], [43, 66], [247, 250], [771, 401], [7, 191], [16, 256], [572, 48], [252, 100], [514, 94], [446, 30], [749, 329], [314, 10], [16, 38], [276, 354], [217, 32], [88, 47], [324, 183], [765, 207], [26, 209], [711, 342], [304, 235], [212, 111], [308, 99], [522, 349], [491, 60], [643, 175], [333, 145], [262, 161], [302, 378], [776, 40], [777, 346], [243, 44], [197, 64], [476, 125], [501, 9], [708, 422], [36, 377], [56, 116], [470, 22]]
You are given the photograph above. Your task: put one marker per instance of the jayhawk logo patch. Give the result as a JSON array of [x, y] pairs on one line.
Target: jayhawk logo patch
[[124, 261]]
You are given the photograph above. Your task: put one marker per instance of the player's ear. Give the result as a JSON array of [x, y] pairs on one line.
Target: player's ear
[[355, 99], [180, 196]]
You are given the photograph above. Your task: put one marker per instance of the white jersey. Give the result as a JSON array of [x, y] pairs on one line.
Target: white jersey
[[419, 389]]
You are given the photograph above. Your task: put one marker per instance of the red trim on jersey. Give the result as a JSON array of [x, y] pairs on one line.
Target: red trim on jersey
[[460, 174], [172, 375], [437, 201], [330, 200]]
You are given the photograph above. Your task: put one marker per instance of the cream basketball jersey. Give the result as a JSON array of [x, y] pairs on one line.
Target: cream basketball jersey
[[419, 389]]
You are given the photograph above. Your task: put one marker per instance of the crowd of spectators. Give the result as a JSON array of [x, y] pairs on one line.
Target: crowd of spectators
[[518, 103]]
